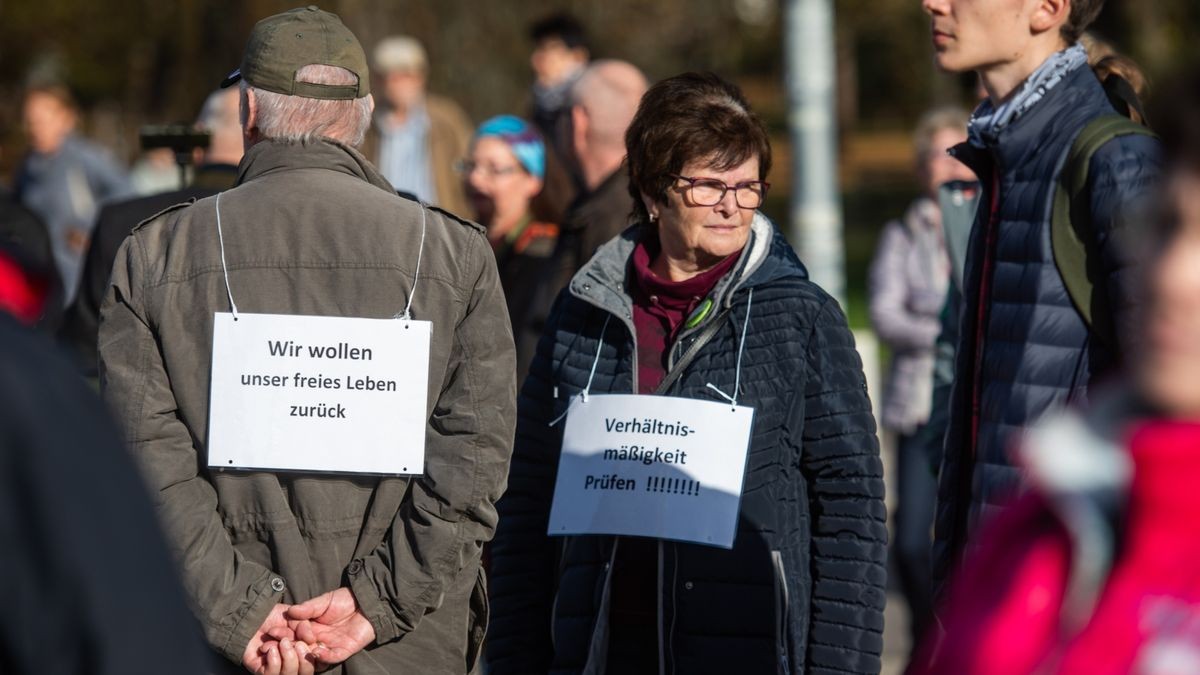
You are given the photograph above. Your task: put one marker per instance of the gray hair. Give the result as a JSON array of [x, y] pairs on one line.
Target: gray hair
[[297, 118], [933, 121]]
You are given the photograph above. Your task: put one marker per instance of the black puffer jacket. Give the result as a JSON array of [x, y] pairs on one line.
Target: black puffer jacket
[[802, 590], [1024, 349]]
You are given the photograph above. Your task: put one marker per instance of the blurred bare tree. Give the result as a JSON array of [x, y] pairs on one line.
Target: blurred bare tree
[[149, 60]]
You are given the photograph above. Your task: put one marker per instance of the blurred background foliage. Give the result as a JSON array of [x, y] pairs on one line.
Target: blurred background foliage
[[132, 62]]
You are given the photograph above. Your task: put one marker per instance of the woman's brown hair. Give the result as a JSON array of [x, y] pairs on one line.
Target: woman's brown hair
[[1124, 82], [693, 116]]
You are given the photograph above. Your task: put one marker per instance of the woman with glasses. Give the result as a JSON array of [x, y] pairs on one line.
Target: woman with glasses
[[702, 300], [504, 171]]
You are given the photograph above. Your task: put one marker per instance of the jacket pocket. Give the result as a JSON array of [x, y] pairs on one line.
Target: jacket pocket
[[478, 616], [782, 610]]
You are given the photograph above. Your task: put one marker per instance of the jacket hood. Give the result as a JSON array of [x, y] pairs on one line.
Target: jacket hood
[[766, 257], [270, 156]]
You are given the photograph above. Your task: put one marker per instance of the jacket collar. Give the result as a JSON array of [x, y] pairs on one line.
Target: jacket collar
[[1056, 116], [602, 281], [271, 156], [991, 118]]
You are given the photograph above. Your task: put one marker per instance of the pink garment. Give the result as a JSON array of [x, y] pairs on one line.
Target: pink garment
[[1007, 612]]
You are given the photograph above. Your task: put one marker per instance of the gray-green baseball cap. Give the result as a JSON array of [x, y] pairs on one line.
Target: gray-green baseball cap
[[282, 44]]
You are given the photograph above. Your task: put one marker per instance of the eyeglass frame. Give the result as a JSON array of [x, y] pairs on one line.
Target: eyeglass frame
[[725, 188]]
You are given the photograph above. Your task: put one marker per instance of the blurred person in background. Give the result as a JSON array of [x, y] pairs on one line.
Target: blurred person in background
[[909, 279], [155, 171], [216, 170], [64, 178], [88, 585], [560, 53], [1093, 572], [417, 136], [702, 292], [503, 173], [348, 572], [603, 103], [1030, 342], [30, 288]]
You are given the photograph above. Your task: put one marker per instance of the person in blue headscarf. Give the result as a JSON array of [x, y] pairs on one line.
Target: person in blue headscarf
[[504, 170]]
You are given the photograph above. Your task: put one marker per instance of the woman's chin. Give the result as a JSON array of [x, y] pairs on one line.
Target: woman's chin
[[723, 242]]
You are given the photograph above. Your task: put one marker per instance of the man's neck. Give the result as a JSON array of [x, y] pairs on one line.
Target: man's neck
[[1002, 80], [598, 166]]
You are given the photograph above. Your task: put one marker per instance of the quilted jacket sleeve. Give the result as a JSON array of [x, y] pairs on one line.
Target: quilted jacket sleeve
[[1123, 174], [849, 522], [523, 557]]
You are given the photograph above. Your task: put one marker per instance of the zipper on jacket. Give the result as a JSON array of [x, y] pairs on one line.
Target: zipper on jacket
[[981, 313], [966, 473], [782, 608], [662, 644]]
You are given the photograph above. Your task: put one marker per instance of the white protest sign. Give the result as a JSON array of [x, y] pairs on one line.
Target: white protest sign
[[312, 393], [652, 466]]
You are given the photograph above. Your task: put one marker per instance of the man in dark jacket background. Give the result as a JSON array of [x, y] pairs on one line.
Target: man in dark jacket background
[[216, 171], [603, 102], [87, 584], [1024, 347]]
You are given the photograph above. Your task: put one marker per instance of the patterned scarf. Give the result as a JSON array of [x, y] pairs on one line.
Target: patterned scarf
[[989, 121]]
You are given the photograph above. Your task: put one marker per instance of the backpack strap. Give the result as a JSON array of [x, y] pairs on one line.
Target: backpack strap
[[1071, 235]]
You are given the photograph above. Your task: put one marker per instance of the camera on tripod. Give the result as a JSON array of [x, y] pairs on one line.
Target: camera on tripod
[[183, 139]]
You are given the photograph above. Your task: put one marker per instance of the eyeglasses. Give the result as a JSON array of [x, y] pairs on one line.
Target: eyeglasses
[[710, 191], [467, 167]]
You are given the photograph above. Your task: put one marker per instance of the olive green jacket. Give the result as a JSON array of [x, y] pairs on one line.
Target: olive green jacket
[[313, 229]]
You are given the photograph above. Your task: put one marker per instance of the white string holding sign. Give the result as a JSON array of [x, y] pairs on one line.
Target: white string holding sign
[[224, 267], [412, 292], [737, 373], [591, 375], [406, 315], [318, 393]]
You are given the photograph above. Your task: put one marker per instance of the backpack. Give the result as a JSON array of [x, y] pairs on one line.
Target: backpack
[[1071, 236]]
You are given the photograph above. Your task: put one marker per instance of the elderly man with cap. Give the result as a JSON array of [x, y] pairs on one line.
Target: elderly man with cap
[[292, 560], [417, 137]]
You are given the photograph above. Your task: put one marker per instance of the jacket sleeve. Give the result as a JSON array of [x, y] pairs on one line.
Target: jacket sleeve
[[450, 511], [1123, 175], [231, 595], [895, 322], [840, 460], [523, 556]]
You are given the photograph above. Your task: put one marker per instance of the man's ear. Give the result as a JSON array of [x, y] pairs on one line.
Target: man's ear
[[371, 102], [1050, 15], [248, 109]]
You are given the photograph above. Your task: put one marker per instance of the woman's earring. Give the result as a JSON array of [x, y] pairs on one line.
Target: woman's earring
[[653, 217]]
